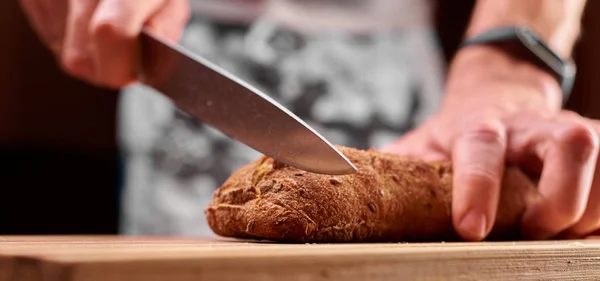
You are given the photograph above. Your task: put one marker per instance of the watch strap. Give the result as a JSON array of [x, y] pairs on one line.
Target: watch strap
[[564, 69]]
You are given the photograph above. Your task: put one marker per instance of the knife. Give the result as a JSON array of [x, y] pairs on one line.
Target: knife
[[217, 98]]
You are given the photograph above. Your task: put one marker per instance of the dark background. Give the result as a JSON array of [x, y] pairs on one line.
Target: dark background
[[58, 154]]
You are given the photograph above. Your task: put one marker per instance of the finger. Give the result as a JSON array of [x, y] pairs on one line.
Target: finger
[[433, 156], [76, 54], [49, 26], [418, 143], [478, 163], [590, 221], [595, 233], [115, 27], [418, 146], [169, 22], [569, 153], [400, 146], [38, 16], [425, 153]]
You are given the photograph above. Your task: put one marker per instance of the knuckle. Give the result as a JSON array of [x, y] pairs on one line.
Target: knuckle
[[76, 63], [489, 132], [109, 29], [581, 140]]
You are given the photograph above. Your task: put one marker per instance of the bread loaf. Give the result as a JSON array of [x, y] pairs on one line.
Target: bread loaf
[[390, 198]]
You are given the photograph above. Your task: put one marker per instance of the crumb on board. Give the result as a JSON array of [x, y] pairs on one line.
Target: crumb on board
[[576, 244]]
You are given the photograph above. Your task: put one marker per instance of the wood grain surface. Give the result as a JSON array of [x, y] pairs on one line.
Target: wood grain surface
[[91, 258]]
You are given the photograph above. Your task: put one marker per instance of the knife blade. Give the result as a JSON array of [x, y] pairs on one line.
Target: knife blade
[[218, 98]]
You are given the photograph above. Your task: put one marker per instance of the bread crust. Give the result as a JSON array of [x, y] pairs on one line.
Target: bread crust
[[389, 199]]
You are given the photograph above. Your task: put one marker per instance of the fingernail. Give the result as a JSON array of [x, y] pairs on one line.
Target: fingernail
[[474, 225]]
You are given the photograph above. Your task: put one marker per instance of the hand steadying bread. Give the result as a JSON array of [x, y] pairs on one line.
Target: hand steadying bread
[[390, 198]]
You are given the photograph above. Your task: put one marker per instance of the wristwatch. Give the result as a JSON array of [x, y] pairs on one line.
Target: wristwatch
[[564, 70]]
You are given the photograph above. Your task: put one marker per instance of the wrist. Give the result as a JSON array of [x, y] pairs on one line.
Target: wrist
[[557, 23], [506, 63]]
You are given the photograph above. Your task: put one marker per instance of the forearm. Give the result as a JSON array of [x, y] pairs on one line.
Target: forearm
[[558, 22]]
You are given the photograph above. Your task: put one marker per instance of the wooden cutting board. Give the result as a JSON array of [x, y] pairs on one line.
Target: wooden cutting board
[[102, 258]]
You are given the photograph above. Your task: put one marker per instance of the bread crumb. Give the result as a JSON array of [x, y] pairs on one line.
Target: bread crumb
[[335, 181], [372, 207], [303, 193], [280, 220]]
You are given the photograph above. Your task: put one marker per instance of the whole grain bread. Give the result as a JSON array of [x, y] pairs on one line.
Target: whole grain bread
[[390, 198]]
